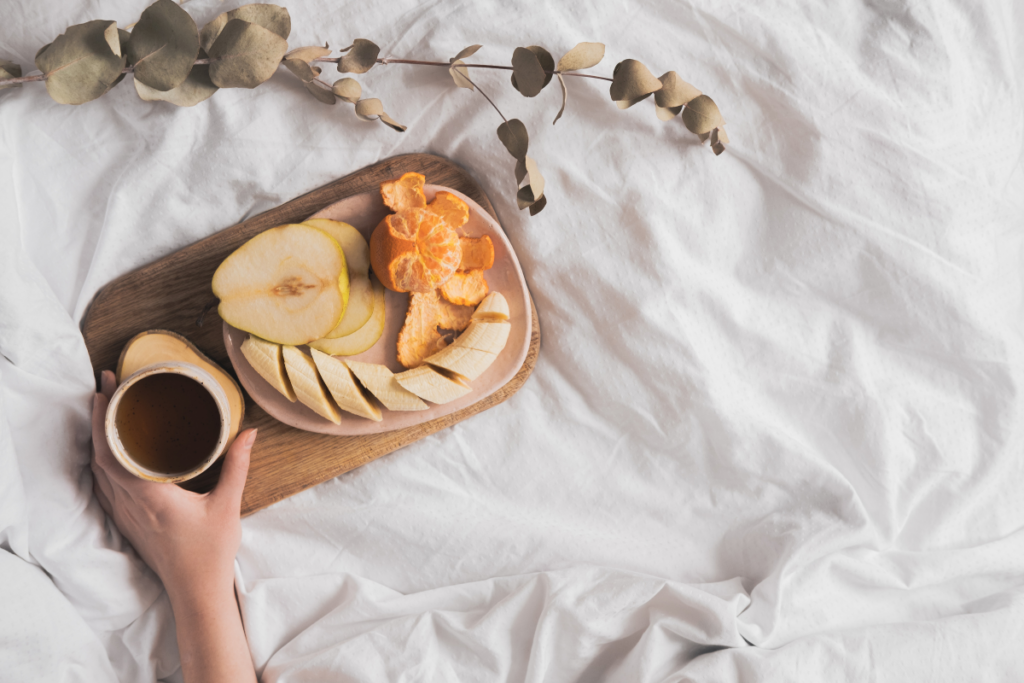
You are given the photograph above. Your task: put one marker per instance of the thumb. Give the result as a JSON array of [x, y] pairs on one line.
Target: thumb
[[235, 469]]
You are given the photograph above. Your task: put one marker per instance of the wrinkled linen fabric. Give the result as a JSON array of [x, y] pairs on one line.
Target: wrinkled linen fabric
[[776, 428]]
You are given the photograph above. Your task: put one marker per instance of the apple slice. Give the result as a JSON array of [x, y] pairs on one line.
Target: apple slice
[[359, 309], [382, 383], [363, 338], [342, 385], [357, 251], [266, 359], [433, 384], [307, 384], [287, 285]]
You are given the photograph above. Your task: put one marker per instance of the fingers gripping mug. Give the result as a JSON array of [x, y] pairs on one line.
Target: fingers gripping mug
[[168, 422]]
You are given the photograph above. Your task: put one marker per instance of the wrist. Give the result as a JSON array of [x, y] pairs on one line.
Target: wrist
[[194, 589]]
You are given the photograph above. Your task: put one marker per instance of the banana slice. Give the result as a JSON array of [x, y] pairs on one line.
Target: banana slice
[[432, 384], [468, 363], [308, 385], [266, 359], [492, 309], [484, 336], [342, 385], [382, 383]]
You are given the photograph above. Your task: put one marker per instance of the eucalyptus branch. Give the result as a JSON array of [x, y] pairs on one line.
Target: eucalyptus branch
[[174, 61]]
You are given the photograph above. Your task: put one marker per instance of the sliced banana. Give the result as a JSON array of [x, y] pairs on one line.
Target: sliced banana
[[342, 385], [382, 383], [308, 386], [493, 308], [266, 359], [484, 336], [468, 363], [433, 385]]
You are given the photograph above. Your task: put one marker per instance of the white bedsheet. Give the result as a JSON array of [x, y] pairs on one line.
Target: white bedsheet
[[775, 432]]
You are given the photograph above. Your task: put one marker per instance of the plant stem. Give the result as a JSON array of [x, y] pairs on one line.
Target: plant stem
[[486, 98], [335, 60]]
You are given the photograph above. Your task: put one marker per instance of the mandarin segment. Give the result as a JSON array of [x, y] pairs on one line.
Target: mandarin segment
[[477, 253], [419, 337], [465, 288], [450, 208], [414, 251], [404, 193]]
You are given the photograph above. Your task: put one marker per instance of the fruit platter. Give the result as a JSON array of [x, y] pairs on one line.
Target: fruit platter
[[382, 311]]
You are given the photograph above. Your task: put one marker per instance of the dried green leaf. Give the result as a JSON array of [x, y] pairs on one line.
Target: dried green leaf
[[43, 49], [538, 205], [465, 52], [535, 179], [245, 55], [81, 64], [583, 56], [531, 67], [391, 123], [675, 92], [308, 54], [702, 116], [368, 109], [719, 139], [513, 135], [301, 69], [565, 96], [348, 89], [271, 17], [321, 91], [9, 70], [195, 89], [360, 57], [632, 82], [703, 137], [163, 46], [533, 191], [460, 74]]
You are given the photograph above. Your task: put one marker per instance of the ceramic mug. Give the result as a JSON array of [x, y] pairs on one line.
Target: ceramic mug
[[135, 463]]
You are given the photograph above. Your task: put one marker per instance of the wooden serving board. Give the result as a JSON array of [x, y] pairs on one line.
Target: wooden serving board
[[174, 294]]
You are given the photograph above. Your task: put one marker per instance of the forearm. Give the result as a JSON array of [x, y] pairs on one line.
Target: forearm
[[210, 635]]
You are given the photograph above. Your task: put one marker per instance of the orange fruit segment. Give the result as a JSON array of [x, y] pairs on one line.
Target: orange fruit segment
[[414, 251], [404, 193], [477, 253], [419, 336], [453, 210], [465, 288], [453, 316]]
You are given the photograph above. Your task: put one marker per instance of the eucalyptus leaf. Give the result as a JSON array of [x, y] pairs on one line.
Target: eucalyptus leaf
[[308, 54], [9, 70], [163, 46], [626, 104], [271, 17], [391, 123], [719, 139], [360, 58], [367, 109], [321, 91], [565, 96], [195, 89], [300, 69], [348, 89], [674, 92], [703, 137], [701, 115], [112, 35], [583, 56], [531, 66], [632, 82], [535, 178], [316, 70], [533, 191], [513, 135], [459, 74], [80, 65], [245, 55], [520, 170], [465, 52], [538, 205], [43, 49]]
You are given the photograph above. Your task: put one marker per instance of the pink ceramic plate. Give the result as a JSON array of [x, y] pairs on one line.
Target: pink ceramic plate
[[365, 211]]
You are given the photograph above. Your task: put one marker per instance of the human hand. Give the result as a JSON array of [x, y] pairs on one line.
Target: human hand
[[189, 539]]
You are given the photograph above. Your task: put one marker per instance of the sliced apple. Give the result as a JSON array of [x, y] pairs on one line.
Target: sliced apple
[[382, 383], [359, 309], [266, 359], [343, 387], [363, 338], [308, 386], [357, 251], [287, 285], [433, 384]]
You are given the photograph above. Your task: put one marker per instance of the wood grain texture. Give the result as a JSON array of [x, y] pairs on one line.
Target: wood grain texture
[[174, 294]]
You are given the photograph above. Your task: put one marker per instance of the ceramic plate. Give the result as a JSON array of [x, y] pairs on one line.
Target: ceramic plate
[[364, 212]]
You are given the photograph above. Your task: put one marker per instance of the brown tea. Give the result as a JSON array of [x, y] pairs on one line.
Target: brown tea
[[168, 423]]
